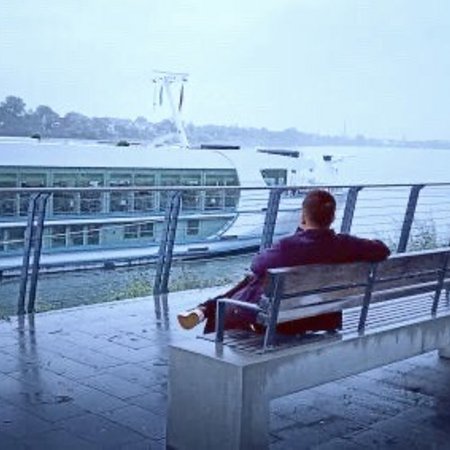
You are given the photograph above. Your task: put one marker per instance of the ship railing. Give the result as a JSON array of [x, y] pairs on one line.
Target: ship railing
[[406, 216]]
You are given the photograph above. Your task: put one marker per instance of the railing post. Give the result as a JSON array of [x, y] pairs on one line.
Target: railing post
[[349, 210], [270, 219], [440, 284], [167, 242], [38, 234], [220, 321], [367, 298], [409, 217], [28, 241], [161, 310], [276, 290]]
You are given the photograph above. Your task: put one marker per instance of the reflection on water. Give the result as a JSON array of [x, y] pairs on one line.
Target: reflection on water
[[67, 289]]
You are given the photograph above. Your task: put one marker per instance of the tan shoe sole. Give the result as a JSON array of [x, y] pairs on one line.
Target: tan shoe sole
[[188, 320]]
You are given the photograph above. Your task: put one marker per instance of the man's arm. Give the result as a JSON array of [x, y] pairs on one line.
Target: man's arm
[[361, 249], [267, 259]]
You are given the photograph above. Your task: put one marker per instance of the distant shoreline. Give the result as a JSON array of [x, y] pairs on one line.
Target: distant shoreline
[[44, 123]]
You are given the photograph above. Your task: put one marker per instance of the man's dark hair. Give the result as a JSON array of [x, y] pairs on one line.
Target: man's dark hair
[[319, 206]]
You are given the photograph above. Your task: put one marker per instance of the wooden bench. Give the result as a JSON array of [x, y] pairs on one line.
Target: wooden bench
[[220, 387]]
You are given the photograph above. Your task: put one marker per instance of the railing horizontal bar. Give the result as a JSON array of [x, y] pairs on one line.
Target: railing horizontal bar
[[208, 188]]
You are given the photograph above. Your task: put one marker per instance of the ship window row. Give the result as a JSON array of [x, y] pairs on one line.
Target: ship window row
[[85, 203], [54, 236], [68, 203], [59, 236], [27, 177]]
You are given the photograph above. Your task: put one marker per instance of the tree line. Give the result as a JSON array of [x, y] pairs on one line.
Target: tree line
[[44, 122]]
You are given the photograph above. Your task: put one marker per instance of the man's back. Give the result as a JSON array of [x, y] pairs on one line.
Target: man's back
[[318, 246]]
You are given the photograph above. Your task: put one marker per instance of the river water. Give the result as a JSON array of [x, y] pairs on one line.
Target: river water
[[379, 213], [67, 289]]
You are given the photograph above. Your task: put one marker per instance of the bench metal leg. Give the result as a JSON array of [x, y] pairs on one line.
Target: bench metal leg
[[213, 405], [444, 352]]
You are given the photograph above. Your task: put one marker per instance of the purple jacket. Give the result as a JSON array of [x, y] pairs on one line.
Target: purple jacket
[[318, 247], [310, 247]]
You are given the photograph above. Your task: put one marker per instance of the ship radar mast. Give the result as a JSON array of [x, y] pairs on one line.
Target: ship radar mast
[[165, 83]]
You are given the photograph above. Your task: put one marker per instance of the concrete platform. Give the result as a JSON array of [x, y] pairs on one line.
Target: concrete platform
[[94, 377]]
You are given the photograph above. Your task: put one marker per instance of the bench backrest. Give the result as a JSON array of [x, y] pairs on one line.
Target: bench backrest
[[308, 290]]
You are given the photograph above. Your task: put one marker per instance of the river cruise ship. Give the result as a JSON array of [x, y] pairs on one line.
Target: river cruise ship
[[92, 219]]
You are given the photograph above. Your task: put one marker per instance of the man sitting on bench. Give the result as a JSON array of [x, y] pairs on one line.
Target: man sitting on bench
[[314, 242]]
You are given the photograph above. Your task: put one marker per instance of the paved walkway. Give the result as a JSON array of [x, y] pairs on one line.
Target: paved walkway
[[94, 377]]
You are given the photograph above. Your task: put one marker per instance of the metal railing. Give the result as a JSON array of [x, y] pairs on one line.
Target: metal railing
[[273, 206]]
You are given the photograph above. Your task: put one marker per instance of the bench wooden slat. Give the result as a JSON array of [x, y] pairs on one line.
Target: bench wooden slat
[[310, 277], [314, 299], [323, 305], [414, 262]]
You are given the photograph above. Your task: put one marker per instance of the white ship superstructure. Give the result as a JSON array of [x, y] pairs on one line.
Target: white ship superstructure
[[86, 219]]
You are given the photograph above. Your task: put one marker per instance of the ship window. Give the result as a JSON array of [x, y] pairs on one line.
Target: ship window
[[58, 236], [65, 202], [120, 179], [221, 178], [230, 180], [64, 179], [231, 198], [91, 179], [193, 227], [120, 201], [168, 179], [274, 177], [214, 199], [8, 199], [33, 180], [191, 179], [191, 200], [146, 230], [8, 180], [93, 235], [76, 235], [213, 180], [130, 231], [141, 179], [144, 200], [91, 202], [14, 238]]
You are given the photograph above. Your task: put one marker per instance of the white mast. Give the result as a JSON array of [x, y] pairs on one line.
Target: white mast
[[163, 82]]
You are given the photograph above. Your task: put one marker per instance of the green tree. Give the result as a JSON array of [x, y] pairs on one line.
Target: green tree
[[13, 106], [13, 117], [45, 119]]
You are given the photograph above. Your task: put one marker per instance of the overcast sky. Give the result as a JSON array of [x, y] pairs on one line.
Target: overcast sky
[[376, 67]]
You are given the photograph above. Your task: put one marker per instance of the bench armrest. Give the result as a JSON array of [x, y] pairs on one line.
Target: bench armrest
[[241, 304], [220, 313]]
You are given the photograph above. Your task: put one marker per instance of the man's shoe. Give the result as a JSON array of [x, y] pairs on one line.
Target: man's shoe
[[190, 319]]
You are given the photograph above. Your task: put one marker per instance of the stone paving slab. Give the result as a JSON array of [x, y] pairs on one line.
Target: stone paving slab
[[95, 377]]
